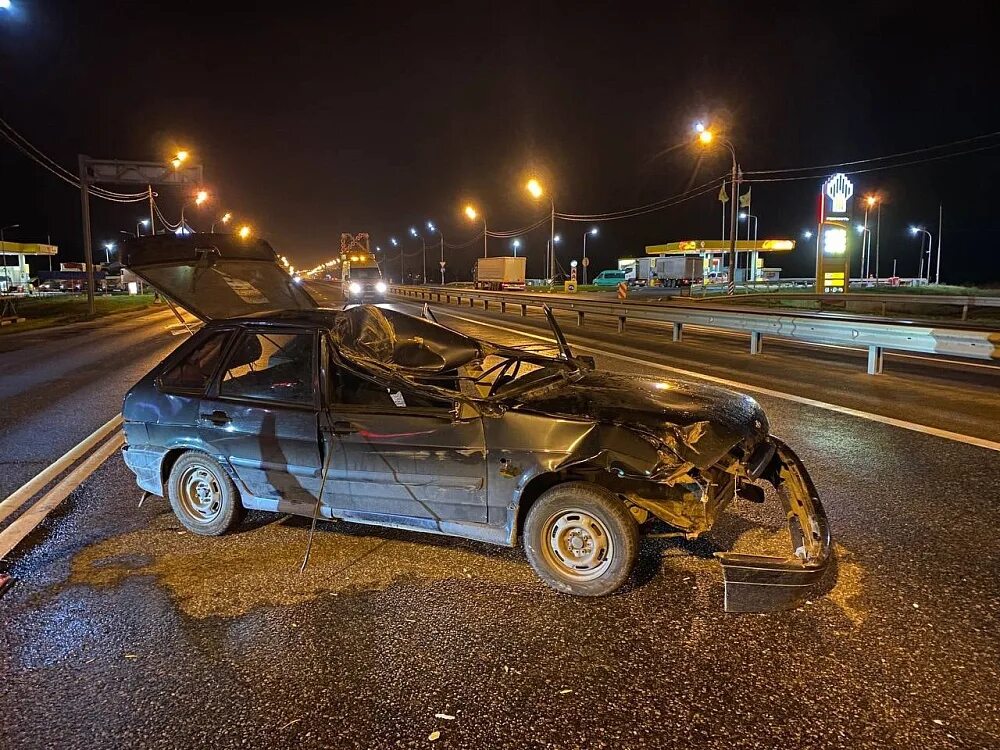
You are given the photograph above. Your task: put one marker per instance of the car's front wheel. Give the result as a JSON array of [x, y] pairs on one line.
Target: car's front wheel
[[203, 496], [581, 539]]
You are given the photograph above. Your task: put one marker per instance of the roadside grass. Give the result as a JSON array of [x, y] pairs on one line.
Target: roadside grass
[[44, 312]]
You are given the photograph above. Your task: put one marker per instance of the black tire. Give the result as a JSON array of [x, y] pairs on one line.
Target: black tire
[[203, 496], [598, 521]]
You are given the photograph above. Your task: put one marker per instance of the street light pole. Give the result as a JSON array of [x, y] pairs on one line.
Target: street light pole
[[930, 243], [706, 136], [431, 226], [589, 232], [937, 273], [736, 179]]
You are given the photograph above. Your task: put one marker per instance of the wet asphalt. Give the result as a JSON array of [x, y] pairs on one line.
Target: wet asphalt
[[124, 631]]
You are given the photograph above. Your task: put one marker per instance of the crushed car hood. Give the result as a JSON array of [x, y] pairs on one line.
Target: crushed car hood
[[700, 423], [216, 276]]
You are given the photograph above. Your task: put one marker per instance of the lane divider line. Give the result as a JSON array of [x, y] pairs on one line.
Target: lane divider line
[[27, 491], [27, 521], [736, 385]]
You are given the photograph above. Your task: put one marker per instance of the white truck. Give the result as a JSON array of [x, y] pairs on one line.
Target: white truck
[[499, 273], [667, 270]]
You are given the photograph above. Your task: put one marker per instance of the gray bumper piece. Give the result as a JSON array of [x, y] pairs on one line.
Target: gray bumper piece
[[756, 583]]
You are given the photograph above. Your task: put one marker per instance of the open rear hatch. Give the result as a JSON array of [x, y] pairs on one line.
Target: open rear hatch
[[216, 276]]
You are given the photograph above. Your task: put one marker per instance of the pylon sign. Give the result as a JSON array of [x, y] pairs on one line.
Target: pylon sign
[[833, 258], [354, 243]]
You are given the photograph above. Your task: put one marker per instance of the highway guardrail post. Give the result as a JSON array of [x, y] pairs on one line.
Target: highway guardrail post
[[874, 360], [756, 341], [579, 317], [678, 331]]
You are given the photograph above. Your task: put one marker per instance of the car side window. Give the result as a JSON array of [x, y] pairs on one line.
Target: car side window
[[348, 389], [270, 366], [194, 372]]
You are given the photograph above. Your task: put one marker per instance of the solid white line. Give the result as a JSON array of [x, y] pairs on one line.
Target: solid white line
[[28, 490], [27, 521], [901, 423]]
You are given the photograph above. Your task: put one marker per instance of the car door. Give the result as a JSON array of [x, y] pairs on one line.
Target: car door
[[262, 413], [402, 455]]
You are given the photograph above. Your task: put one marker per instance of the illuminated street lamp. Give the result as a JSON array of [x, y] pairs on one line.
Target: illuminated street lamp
[[589, 233], [535, 188], [515, 245], [472, 214], [179, 158], [423, 247], [866, 239], [140, 223], [432, 228], [108, 247], [244, 232], [200, 197], [930, 242], [706, 137], [225, 219], [550, 247]]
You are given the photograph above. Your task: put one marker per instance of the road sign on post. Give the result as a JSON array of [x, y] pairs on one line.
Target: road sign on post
[[148, 173]]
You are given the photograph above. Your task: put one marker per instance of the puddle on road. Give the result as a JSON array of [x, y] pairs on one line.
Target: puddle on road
[[233, 574]]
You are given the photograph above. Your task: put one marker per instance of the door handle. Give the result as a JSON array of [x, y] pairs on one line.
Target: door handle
[[343, 428], [216, 417]]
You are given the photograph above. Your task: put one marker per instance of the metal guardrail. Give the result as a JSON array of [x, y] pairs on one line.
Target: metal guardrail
[[885, 300], [876, 336]]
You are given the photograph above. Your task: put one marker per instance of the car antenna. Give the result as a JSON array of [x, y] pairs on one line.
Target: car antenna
[[564, 350]]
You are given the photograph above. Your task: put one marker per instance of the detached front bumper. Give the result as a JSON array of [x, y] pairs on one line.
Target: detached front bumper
[[758, 583]]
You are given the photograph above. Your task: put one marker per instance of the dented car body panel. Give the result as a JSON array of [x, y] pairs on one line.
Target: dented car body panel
[[411, 424]]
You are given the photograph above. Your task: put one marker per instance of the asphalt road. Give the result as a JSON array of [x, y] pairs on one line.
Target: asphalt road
[[124, 631]]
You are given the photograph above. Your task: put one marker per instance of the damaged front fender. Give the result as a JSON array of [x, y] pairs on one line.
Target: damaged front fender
[[758, 583]]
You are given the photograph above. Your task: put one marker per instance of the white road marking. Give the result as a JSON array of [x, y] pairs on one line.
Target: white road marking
[[27, 521], [736, 385], [24, 493]]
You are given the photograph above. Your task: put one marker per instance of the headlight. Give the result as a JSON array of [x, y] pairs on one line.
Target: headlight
[[355, 288], [380, 287]]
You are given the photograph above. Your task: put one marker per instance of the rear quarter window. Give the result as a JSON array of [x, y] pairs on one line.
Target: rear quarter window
[[195, 370]]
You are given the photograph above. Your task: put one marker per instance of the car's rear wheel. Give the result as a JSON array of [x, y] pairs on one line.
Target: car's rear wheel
[[203, 496], [581, 539]]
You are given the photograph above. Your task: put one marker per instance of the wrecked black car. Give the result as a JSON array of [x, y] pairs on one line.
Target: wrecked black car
[[375, 416]]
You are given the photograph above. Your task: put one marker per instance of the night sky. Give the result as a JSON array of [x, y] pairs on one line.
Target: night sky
[[378, 116]]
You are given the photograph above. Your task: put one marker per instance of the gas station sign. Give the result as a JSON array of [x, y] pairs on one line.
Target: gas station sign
[[832, 252]]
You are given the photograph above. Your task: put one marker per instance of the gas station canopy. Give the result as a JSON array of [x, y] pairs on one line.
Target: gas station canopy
[[29, 248], [686, 247]]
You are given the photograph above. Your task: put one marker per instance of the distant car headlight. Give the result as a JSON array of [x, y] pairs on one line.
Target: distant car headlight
[[380, 287], [297, 279], [354, 288]]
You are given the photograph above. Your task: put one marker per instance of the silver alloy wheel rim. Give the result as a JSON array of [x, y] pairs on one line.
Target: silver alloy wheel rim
[[200, 494], [577, 545]]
